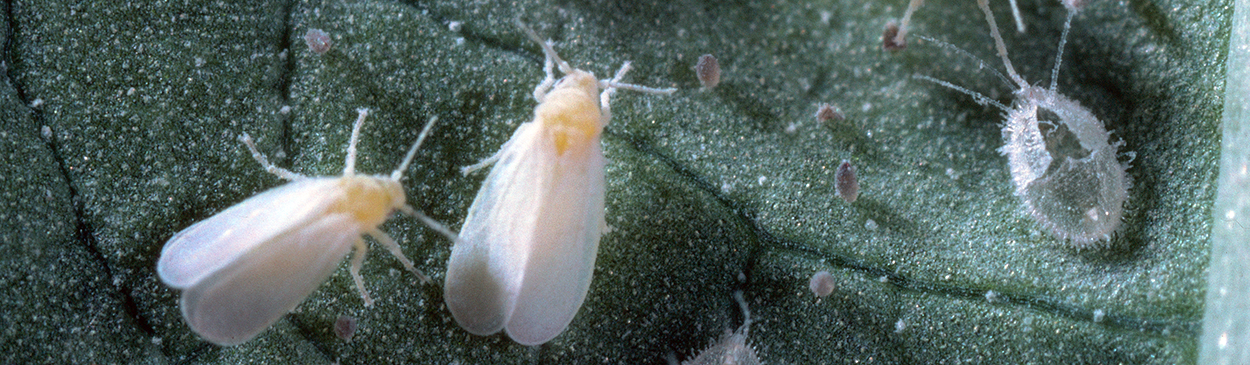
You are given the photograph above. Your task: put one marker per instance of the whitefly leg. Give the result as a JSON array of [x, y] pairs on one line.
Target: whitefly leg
[[349, 168], [481, 164], [433, 224], [610, 87], [605, 102], [390, 245], [264, 162], [398, 174], [358, 260]]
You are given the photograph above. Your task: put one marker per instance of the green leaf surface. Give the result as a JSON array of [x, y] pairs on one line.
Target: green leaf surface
[[709, 191]]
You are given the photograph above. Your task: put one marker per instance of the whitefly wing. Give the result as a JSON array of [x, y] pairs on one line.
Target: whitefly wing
[[247, 295], [563, 249], [213, 243], [487, 264]]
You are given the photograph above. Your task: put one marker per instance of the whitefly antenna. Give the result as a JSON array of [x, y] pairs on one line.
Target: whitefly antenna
[[349, 168], [551, 52], [398, 174]]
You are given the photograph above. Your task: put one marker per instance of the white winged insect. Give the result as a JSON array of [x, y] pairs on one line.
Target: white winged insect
[[1063, 166], [526, 253], [244, 268]]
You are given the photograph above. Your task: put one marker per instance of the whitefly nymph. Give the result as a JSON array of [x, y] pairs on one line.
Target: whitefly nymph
[[1063, 166]]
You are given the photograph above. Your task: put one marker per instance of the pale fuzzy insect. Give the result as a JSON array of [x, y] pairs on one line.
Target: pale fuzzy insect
[[821, 284], [731, 348], [1063, 167], [708, 71], [847, 184], [526, 253], [243, 268]]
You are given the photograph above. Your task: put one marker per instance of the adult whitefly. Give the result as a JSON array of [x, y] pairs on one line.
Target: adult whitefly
[[245, 267], [526, 253]]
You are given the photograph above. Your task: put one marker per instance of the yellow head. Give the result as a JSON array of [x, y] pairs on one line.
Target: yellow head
[[369, 199], [571, 111]]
